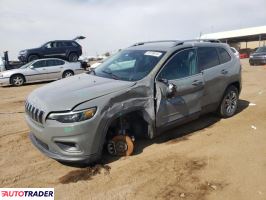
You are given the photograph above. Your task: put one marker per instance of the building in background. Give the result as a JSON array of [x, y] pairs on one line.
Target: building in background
[[245, 40]]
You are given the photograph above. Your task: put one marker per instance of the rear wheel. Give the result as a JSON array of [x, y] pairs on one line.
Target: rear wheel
[[32, 58], [67, 74], [17, 80], [229, 103], [120, 145], [73, 57]]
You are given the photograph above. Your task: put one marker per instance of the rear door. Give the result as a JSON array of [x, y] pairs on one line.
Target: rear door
[[182, 71], [214, 74], [54, 68], [54, 49]]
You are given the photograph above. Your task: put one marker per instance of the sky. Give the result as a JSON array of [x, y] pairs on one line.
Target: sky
[[109, 25]]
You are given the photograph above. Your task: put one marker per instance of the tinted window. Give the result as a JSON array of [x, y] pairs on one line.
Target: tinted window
[[51, 63], [74, 44], [261, 49], [60, 62], [60, 44], [207, 57], [183, 64], [38, 64], [223, 55]]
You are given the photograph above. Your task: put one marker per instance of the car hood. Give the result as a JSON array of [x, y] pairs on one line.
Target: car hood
[[65, 94], [259, 54], [8, 73]]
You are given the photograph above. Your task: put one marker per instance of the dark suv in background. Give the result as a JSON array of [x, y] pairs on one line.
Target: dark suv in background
[[66, 49], [258, 57]]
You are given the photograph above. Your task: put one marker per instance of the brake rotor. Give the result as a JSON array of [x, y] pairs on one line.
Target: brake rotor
[[120, 145]]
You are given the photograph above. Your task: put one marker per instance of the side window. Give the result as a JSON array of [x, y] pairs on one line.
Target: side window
[[181, 65], [207, 57], [50, 63], [59, 62], [39, 64], [59, 44], [74, 44], [223, 55]]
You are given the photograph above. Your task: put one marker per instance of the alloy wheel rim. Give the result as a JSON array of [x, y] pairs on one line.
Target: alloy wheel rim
[[68, 74], [18, 81], [231, 102]]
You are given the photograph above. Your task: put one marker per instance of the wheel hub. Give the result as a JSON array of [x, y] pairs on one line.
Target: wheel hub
[[120, 145]]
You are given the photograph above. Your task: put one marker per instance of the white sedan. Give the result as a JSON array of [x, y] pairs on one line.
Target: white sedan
[[40, 70]]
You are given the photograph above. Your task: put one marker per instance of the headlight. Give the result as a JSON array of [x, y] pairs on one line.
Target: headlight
[[23, 52], [73, 116], [251, 56]]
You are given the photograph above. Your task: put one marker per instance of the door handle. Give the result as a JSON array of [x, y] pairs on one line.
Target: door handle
[[224, 72], [197, 83]]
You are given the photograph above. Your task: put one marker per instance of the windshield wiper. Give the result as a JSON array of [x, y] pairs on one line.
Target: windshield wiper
[[111, 74]]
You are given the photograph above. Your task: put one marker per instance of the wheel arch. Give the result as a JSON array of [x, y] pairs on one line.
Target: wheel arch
[[67, 70], [15, 75]]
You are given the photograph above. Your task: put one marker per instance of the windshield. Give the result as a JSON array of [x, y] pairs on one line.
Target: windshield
[[26, 65], [129, 65], [261, 49]]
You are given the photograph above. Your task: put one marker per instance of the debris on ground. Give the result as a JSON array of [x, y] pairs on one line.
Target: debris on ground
[[253, 127], [84, 174]]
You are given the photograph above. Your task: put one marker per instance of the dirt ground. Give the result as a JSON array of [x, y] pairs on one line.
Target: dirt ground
[[209, 158]]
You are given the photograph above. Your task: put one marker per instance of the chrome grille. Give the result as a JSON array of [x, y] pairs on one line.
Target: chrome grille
[[34, 113]]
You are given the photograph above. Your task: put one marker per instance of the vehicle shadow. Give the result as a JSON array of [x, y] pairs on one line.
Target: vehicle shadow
[[179, 133], [174, 135], [27, 84]]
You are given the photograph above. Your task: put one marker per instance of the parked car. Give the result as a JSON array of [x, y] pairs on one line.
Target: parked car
[[258, 57], [2, 65], [40, 70], [235, 52], [66, 49], [139, 92]]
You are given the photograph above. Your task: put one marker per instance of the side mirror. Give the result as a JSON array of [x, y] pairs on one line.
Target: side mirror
[[170, 88], [31, 67]]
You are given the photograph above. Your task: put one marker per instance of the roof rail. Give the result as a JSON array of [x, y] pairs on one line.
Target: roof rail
[[176, 42], [204, 40]]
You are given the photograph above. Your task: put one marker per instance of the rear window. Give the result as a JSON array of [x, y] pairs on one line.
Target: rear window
[[223, 55], [207, 57]]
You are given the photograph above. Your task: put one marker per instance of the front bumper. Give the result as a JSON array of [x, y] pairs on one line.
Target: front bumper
[[51, 140], [4, 81], [257, 61]]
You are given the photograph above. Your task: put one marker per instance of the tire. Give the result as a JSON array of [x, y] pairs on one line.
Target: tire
[[73, 57], [32, 58], [229, 102], [17, 80], [68, 73]]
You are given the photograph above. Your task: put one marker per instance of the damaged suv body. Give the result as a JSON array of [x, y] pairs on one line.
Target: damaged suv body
[[139, 92]]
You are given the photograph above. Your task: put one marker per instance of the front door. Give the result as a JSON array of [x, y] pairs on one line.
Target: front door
[[37, 71], [181, 71]]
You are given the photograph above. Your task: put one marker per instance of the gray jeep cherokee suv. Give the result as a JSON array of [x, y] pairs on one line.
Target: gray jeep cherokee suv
[[139, 92]]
